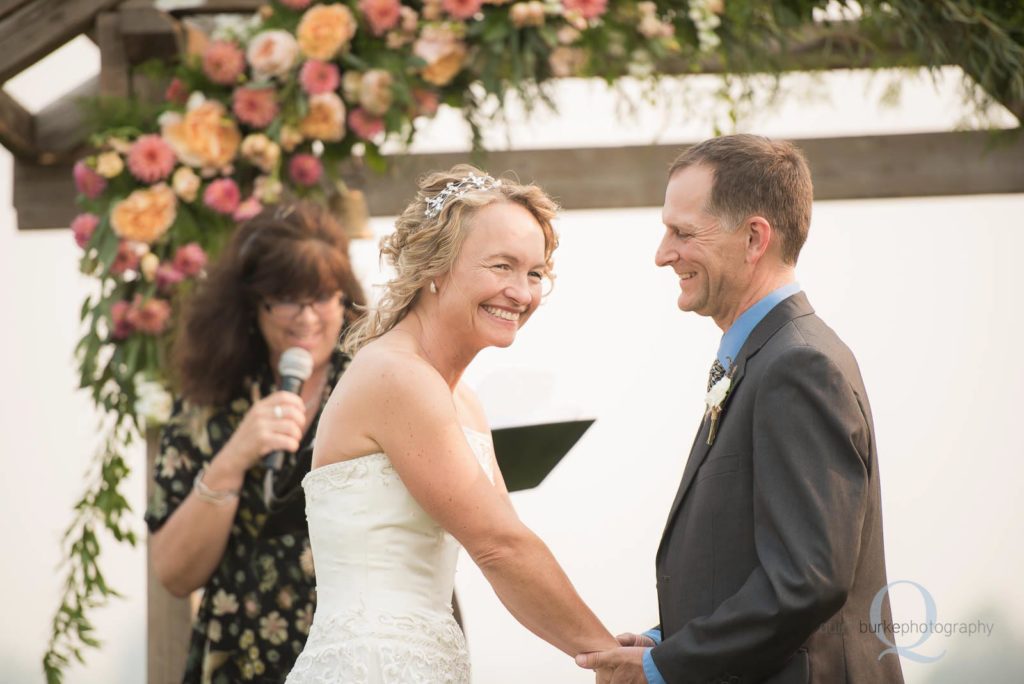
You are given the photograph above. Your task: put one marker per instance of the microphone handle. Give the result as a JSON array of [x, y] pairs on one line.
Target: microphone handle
[[275, 459]]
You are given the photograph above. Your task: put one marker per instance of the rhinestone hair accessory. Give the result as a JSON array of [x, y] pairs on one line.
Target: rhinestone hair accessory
[[471, 182]]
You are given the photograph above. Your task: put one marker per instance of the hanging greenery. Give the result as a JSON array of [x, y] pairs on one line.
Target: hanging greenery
[[268, 108]]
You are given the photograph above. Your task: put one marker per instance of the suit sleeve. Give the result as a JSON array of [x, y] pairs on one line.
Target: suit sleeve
[[810, 483]]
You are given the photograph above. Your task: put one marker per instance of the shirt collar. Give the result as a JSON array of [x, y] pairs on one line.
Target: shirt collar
[[739, 331]]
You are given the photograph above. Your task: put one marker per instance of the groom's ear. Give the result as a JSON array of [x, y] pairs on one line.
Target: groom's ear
[[759, 235]]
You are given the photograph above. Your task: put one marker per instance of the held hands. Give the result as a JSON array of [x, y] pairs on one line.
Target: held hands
[[276, 422], [623, 665]]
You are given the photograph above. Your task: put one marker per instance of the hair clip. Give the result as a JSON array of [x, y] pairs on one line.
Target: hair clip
[[457, 189]]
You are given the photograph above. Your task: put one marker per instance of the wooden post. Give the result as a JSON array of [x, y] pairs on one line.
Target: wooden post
[[168, 618]]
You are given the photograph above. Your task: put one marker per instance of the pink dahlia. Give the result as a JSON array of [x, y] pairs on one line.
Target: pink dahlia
[[381, 15], [120, 326], [190, 259], [125, 260], [319, 77], [82, 227], [150, 316], [87, 181], [247, 209], [462, 9], [588, 9], [365, 125], [254, 106], [296, 4], [167, 276], [151, 159], [305, 169], [222, 196], [223, 62]]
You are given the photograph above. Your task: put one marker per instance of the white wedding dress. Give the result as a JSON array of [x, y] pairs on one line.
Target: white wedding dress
[[384, 578]]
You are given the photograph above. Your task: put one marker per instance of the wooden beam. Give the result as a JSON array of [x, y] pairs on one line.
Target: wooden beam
[[8, 6], [149, 33], [115, 74], [867, 167], [35, 29], [17, 127], [60, 126]]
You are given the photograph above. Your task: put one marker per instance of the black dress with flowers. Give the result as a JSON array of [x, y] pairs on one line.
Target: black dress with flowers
[[258, 604]]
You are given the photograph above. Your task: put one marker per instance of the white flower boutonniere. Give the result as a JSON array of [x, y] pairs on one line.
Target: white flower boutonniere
[[714, 400]]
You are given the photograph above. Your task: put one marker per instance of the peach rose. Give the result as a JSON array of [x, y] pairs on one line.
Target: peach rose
[[325, 30], [272, 53], [443, 52], [375, 94], [145, 215], [326, 118], [204, 137], [261, 151]]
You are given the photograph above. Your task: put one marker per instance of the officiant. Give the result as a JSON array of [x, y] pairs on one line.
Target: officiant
[[284, 280]]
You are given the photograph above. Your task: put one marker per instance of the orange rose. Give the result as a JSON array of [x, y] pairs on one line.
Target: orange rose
[[205, 137], [145, 215], [326, 118], [443, 52], [325, 30]]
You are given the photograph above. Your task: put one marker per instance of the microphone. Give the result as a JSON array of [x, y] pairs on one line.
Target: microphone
[[295, 367]]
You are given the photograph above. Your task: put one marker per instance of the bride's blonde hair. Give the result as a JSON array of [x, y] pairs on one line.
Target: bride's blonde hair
[[422, 247]]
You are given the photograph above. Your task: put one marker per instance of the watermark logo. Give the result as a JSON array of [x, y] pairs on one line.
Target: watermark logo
[[924, 629]]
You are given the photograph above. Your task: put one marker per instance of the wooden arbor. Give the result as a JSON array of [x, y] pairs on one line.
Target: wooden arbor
[[131, 31]]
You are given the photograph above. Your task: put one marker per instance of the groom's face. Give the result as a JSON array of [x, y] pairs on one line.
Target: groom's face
[[708, 260]]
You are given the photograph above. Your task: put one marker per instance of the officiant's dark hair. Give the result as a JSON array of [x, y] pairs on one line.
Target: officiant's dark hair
[[756, 175], [291, 251]]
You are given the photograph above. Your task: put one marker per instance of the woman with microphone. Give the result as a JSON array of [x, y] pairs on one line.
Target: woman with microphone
[[227, 514]]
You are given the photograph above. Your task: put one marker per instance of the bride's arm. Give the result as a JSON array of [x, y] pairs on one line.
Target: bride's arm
[[417, 426]]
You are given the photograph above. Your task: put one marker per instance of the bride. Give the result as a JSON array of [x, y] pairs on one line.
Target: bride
[[404, 470]]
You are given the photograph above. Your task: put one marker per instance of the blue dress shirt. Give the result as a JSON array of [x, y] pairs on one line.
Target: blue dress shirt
[[728, 350]]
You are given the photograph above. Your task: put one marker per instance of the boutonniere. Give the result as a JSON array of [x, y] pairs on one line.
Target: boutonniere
[[714, 400]]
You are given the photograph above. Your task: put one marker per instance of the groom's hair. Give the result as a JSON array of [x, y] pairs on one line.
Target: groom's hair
[[753, 175]]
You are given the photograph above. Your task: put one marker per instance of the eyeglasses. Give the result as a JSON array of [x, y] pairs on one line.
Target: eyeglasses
[[286, 310]]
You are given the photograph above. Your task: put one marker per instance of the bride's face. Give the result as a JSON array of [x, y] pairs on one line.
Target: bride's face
[[496, 282]]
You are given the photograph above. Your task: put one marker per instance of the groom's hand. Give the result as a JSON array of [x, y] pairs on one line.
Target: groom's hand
[[630, 639], [623, 665]]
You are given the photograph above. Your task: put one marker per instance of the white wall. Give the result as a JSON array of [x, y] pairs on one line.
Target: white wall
[[926, 292]]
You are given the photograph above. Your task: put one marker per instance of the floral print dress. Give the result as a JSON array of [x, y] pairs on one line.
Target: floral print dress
[[258, 604]]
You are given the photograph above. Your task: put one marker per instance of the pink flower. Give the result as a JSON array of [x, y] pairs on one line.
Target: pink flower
[[427, 101], [222, 196], [87, 181], [319, 77], [305, 169], [223, 62], [462, 9], [177, 91], [254, 106], [588, 9], [364, 125], [381, 15], [190, 259], [272, 53], [247, 209], [121, 327], [82, 227], [167, 276], [296, 4], [149, 317], [126, 259], [151, 159]]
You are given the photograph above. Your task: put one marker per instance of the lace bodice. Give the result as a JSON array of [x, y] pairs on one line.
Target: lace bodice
[[384, 573]]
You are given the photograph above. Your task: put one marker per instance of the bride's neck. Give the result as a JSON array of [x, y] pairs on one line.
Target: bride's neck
[[437, 348]]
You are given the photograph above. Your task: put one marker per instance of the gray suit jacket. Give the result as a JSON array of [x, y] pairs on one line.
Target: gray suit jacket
[[773, 551]]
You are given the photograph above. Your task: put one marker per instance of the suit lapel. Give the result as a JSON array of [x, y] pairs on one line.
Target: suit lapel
[[790, 308]]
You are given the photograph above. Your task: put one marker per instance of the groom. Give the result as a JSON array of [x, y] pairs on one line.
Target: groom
[[772, 553]]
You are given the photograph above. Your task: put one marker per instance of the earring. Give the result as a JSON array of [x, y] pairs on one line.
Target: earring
[[433, 287]]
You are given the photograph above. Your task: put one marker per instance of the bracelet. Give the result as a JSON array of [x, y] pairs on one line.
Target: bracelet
[[214, 496]]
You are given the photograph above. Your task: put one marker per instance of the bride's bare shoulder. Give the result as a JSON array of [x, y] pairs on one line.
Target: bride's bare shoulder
[[390, 360]]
